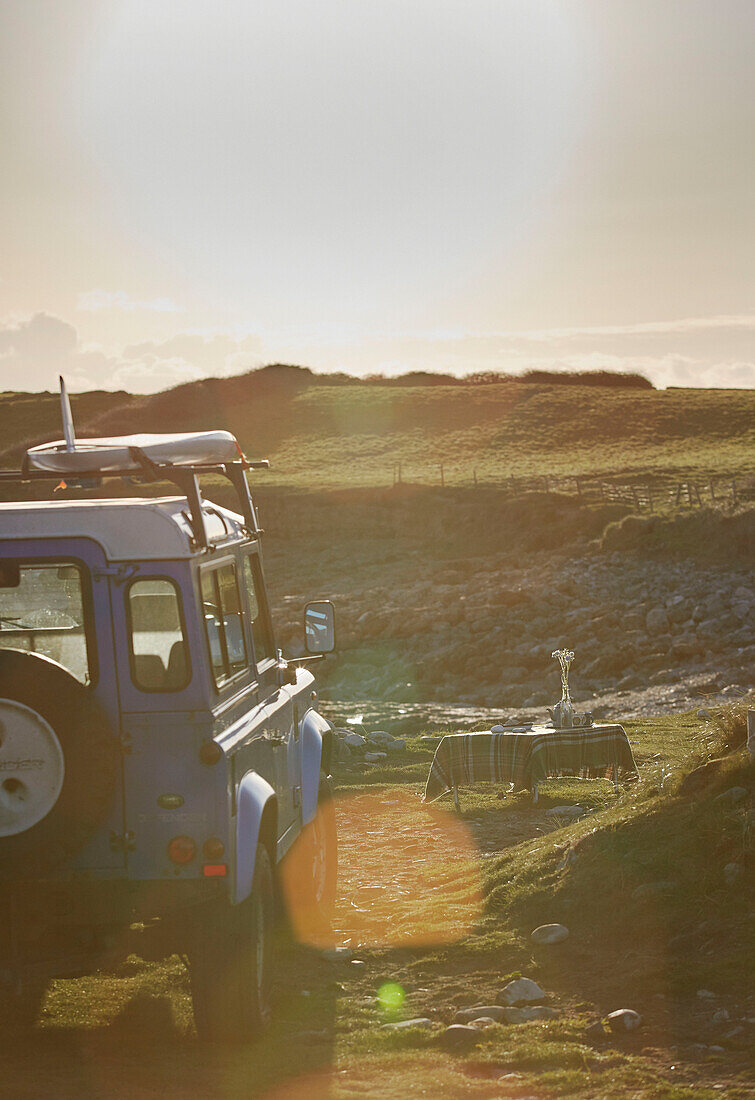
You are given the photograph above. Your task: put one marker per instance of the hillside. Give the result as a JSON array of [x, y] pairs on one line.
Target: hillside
[[338, 432]]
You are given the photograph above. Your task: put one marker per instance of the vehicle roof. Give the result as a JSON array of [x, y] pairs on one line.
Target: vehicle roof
[[127, 528]]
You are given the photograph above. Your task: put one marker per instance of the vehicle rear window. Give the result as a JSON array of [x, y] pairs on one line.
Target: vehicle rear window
[[223, 625], [42, 610], [159, 655], [261, 632]]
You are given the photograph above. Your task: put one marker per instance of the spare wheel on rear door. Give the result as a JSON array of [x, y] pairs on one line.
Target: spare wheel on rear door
[[58, 764]]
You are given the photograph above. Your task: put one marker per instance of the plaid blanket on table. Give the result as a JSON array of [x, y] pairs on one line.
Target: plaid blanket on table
[[526, 758]]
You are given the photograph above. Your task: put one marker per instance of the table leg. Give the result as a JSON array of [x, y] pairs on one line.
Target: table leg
[[455, 791]]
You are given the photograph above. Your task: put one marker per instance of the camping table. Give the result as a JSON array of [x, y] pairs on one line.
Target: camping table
[[526, 755]]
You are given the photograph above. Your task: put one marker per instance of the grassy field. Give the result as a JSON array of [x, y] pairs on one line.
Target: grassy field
[[321, 435], [436, 909]]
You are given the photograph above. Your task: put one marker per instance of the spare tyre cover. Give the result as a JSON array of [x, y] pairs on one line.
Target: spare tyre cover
[[58, 764]]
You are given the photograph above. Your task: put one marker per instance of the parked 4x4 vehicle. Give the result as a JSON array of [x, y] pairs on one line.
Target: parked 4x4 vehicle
[[160, 763]]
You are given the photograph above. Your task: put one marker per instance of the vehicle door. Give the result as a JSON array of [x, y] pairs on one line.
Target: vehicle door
[[58, 604], [281, 718]]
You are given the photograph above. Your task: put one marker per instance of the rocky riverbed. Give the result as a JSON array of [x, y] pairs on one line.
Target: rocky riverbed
[[469, 640]]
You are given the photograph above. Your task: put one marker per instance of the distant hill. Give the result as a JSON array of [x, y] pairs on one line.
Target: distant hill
[[333, 431]]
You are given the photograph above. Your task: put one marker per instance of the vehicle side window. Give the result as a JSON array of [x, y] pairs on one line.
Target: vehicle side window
[[43, 610], [159, 655], [222, 617], [258, 610]]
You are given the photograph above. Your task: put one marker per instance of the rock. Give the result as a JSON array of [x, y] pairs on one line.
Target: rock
[[565, 811], [653, 890], [510, 1077], [743, 595], [623, 1019], [720, 1016], [657, 621], [375, 757], [549, 933], [468, 1015], [596, 1030], [405, 1025], [485, 1021], [355, 740], [380, 737], [460, 1037], [733, 795], [732, 871], [397, 745], [522, 991], [706, 995]]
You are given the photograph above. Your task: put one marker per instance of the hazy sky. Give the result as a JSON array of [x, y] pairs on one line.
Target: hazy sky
[[196, 187]]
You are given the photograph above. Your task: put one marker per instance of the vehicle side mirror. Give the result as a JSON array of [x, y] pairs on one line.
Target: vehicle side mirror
[[320, 626]]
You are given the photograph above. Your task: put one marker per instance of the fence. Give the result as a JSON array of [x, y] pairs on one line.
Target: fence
[[650, 495]]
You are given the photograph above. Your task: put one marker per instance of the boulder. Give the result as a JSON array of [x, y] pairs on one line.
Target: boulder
[[623, 1019], [405, 1025], [469, 1015], [657, 621], [375, 757], [460, 1037], [355, 740], [549, 933], [522, 991]]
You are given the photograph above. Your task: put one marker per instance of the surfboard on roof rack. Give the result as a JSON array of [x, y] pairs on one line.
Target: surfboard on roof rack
[[117, 452]]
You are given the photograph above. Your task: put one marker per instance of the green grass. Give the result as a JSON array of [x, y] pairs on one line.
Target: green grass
[[477, 882], [325, 436]]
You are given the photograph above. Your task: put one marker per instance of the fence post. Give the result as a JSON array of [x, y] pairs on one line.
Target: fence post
[[636, 498], [579, 487], [474, 475], [734, 490], [399, 473], [650, 496], [442, 480]]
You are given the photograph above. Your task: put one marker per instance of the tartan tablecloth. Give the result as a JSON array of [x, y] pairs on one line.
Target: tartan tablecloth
[[525, 758]]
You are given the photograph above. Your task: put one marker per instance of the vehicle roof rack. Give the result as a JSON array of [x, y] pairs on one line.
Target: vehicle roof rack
[[184, 476]]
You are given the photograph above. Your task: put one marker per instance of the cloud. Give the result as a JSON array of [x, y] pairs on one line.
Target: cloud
[[90, 300]]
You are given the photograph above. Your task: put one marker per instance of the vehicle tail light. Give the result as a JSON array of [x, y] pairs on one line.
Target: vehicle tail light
[[214, 870], [213, 849], [182, 849]]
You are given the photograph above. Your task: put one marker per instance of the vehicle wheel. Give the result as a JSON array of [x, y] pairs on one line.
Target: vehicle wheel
[[231, 963], [310, 872], [58, 764]]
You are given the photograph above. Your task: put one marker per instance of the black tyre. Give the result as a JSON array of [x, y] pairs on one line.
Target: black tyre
[[310, 873], [58, 764], [232, 962]]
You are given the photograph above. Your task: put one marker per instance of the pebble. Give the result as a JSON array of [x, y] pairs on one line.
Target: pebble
[[623, 1019], [549, 933], [720, 1016], [460, 1037], [405, 1025], [705, 995], [521, 991]]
